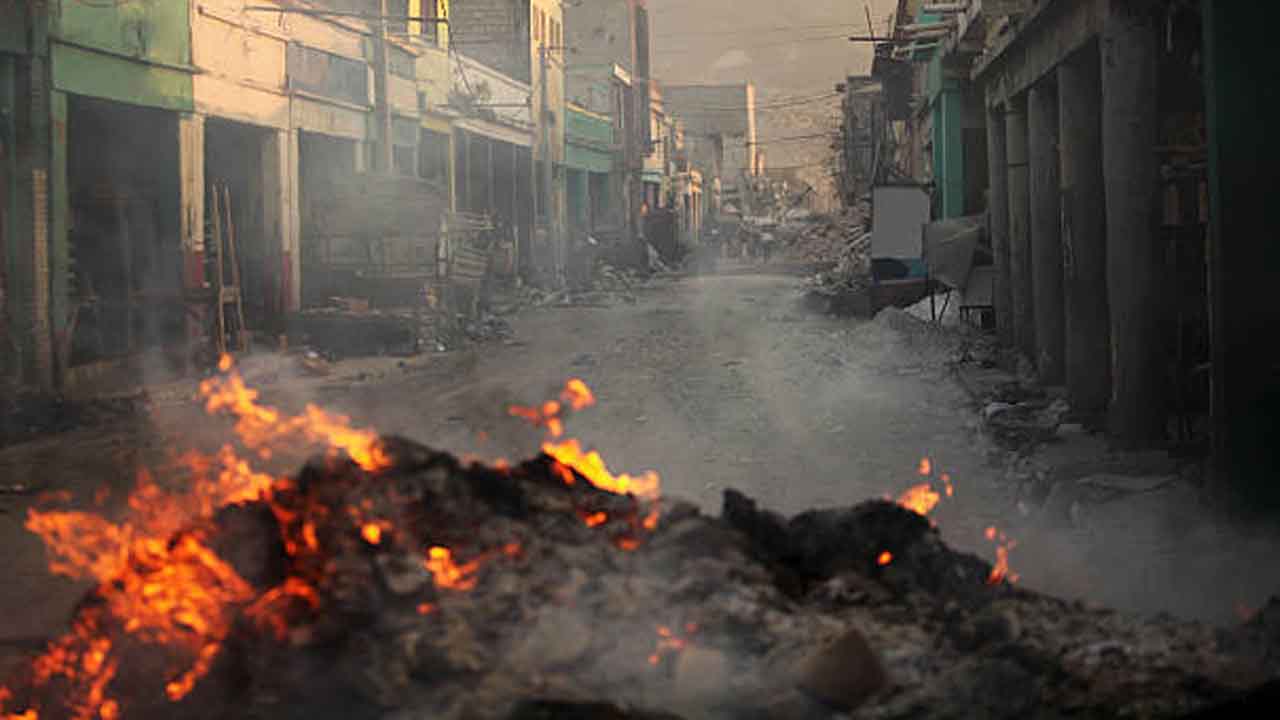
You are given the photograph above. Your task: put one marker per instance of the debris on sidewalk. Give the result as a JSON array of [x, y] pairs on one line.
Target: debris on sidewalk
[[841, 246], [26, 415]]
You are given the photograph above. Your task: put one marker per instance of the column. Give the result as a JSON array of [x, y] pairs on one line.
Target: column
[[359, 160], [191, 196], [1019, 226], [998, 219], [1046, 233], [1134, 260], [58, 281], [281, 215], [1244, 259], [1084, 235]]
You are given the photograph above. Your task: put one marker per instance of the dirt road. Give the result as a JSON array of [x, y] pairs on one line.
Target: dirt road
[[714, 382]]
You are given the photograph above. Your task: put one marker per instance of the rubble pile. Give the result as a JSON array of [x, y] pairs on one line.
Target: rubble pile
[[841, 246], [606, 286], [837, 241], [425, 588]]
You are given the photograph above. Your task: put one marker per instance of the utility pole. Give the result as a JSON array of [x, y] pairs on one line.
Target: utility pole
[[382, 101], [557, 241]]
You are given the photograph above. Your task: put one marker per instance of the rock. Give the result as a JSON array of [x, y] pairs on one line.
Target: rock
[[993, 626], [843, 674], [403, 574], [791, 705], [560, 710], [701, 677], [558, 638]]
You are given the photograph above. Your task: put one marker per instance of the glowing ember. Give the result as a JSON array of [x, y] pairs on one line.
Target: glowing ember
[[448, 574], [596, 519], [924, 497], [920, 499], [372, 533], [884, 558], [426, 608], [669, 643]]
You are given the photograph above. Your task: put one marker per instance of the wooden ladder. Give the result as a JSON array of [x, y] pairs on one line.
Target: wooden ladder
[[224, 244]]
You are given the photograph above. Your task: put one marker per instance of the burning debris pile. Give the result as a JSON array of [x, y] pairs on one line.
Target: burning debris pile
[[386, 579]]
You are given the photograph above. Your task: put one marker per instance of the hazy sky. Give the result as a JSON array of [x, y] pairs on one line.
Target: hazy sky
[[785, 47]]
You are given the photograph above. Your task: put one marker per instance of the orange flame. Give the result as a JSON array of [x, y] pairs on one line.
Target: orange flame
[[372, 533], [920, 499], [571, 457], [592, 466], [926, 467], [884, 558], [1000, 571], [260, 425]]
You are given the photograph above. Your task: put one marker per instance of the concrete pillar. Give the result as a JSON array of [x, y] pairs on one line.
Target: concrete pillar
[[1244, 259], [1084, 235], [1020, 226], [191, 198], [1134, 259], [281, 215], [1046, 233], [191, 195], [998, 215], [359, 160], [58, 282]]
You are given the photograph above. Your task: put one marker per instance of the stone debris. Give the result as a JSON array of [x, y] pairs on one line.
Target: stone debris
[[554, 600], [840, 246]]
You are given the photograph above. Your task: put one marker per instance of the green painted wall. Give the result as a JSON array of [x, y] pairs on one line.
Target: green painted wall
[[589, 139], [154, 30], [579, 201], [947, 106], [136, 52], [95, 74]]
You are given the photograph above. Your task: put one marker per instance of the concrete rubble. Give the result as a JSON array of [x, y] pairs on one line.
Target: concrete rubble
[[745, 615], [840, 247]]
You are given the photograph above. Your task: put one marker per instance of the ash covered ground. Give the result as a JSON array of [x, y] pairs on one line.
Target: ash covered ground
[[714, 382]]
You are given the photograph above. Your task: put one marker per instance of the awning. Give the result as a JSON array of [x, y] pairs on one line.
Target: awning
[[496, 131]]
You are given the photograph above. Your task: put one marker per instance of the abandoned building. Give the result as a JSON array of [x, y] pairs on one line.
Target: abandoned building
[[1115, 150]]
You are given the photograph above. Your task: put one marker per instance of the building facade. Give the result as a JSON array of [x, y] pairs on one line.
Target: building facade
[[1119, 154]]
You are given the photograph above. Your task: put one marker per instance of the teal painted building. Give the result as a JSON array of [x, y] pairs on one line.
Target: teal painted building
[[957, 137], [590, 160]]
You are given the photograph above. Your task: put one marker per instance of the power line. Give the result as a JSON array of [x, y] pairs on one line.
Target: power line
[[755, 46], [796, 138], [679, 108], [756, 31]]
